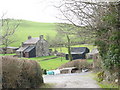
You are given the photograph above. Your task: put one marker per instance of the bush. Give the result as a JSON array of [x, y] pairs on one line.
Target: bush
[[18, 73], [80, 64]]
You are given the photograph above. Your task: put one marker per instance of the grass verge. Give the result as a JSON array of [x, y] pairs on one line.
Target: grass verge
[[47, 85], [105, 84]]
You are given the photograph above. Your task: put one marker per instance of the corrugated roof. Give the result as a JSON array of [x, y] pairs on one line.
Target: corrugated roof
[[78, 49], [29, 48], [22, 48]]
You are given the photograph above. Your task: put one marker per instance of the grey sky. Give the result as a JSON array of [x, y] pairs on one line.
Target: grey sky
[[34, 10]]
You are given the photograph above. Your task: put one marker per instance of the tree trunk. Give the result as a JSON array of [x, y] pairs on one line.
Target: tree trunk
[[61, 52], [69, 48], [5, 50]]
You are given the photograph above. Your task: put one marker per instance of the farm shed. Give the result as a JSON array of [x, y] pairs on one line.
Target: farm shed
[[34, 47], [30, 52], [92, 53], [78, 53], [10, 50]]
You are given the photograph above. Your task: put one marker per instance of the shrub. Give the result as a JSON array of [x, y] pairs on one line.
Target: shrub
[[80, 64], [100, 76], [18, 73]]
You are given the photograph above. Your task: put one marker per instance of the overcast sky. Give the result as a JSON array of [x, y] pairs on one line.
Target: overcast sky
[[34, 10]]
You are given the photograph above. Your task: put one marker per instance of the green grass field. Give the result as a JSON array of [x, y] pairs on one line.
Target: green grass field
[[34, 29], [52, 63], [49, 64]]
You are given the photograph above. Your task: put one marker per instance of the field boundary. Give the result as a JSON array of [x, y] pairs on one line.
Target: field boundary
[[48, 59]]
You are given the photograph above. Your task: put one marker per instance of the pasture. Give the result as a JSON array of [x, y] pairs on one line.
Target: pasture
[[50, 63], [34, 29]]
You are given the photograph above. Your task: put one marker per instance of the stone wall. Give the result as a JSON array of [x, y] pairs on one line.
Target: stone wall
[[42, 48]]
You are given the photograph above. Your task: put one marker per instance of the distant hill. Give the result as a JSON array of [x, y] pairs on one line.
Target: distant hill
[[33, 29]]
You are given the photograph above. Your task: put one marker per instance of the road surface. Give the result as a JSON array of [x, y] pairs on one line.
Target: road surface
[[75, 80]]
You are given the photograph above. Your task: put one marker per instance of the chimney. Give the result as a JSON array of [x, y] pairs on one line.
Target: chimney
[[41, 37], [29, 37]]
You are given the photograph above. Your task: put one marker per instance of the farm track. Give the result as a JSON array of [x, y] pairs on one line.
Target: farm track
[[75, 80], [49, 59]]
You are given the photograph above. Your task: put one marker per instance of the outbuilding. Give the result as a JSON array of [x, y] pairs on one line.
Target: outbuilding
[[30, 52], [78, 53]]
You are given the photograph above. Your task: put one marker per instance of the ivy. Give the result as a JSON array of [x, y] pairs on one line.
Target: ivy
[[109, 46]]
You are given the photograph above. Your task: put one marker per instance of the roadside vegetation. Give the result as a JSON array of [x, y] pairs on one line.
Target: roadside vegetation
[[105, 84]]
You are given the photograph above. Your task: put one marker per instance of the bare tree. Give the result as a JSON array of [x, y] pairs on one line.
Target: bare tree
[[83, 14], [8, 28], [66, 32], [102, 19]]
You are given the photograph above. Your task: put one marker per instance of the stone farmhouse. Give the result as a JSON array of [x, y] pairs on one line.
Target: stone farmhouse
[[34, 47]]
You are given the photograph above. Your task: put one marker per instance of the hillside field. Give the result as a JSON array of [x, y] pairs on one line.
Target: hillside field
[[34, 29]]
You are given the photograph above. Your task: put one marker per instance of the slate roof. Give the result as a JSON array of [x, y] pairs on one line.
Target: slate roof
[[22, 48], [32, 41], [29, 48]]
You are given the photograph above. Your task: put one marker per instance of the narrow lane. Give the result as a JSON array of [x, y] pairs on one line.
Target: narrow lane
[[76, 80]]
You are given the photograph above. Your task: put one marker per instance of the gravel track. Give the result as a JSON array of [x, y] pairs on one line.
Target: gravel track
[[76, 80]]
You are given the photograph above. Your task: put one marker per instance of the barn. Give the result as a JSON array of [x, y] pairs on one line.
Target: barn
[[78, 53]]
